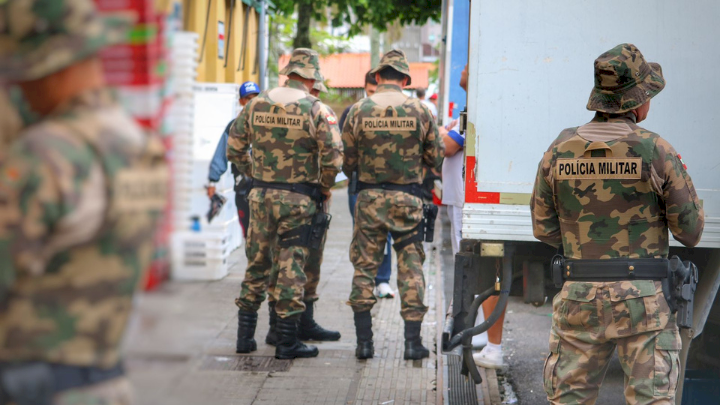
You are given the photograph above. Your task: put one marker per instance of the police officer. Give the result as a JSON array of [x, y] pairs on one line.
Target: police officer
[[389, 138], [308, 329], [607, 192], [219, 163], [296, 154], [80, 195]]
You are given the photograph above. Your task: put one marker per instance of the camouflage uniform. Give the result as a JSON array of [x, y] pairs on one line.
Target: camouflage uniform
[[16, 115], [10, 122], [81, 193], [294, 139], [315, 258], [611, 189], [383, 155], [314, 262]]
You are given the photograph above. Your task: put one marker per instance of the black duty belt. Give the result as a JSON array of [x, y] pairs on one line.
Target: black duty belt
[[311, 190], [20, 379], [414, 189], [615, 269]]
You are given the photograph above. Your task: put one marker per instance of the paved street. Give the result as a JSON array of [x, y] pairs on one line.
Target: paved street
[[181, 347]]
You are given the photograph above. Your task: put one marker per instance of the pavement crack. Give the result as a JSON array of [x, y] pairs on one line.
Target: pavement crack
[[257, 394]]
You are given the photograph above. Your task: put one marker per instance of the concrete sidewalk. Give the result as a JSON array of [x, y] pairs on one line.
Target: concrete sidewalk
[[181, 346]]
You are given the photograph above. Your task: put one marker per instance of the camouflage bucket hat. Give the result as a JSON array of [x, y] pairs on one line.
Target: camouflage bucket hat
[[305, 63], [41, 37], [624, 80], [394, 59]]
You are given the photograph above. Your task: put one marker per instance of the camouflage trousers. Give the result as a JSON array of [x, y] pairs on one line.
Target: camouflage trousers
[[376, 214], [590, 320], [117, 391], [312, 273], [272, 213]]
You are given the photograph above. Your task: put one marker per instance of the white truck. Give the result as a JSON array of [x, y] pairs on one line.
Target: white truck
[[530, 75]]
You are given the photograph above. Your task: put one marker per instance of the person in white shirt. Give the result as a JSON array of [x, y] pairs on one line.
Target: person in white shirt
[[453, 197], [420, 93]]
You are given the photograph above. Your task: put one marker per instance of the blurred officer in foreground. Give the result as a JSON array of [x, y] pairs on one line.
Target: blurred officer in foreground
[[80, 195], [10, 123], [16, 114], [296, 154], [308, 329], [388, 139], [606, 193], [219, 163]]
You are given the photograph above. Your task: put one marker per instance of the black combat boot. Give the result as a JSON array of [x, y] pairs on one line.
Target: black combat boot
[[310, 330], [271, 337], [289, 347], [247, 321], [414, 349], [363, 329]]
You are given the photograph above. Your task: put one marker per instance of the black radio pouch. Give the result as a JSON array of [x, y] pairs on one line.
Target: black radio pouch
[[27, 384], [430, 212]]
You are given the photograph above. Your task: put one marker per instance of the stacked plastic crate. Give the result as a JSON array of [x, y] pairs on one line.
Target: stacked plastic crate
[[216, 105], [201, 249], [138, 70], [181, 117], [196, 253]]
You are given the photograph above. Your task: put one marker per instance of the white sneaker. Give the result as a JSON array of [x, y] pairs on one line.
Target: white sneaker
[[384, 291], [489, 358], [481, 340]]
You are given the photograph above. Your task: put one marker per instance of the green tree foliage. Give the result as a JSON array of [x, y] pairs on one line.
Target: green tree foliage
[[356, 13], [283, 34], [379, 14]]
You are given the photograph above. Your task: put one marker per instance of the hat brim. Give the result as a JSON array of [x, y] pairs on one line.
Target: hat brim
[[321, 87], [249, 93], [305, 73], [381, 67], [62, 51], [641, 93]]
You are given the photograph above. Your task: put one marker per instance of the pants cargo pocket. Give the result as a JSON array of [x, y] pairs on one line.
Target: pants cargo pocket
[[577, 309], [550, 367], [635, 307], [667, 364]]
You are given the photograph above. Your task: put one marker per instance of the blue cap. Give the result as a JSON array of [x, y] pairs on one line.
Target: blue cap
[[249, 88]]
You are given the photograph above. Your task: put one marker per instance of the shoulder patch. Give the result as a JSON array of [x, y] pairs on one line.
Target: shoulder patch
[[270, 120], [599, 169], [389, 124], [140, 189], [682, 161], [12, 174], [331, 119]]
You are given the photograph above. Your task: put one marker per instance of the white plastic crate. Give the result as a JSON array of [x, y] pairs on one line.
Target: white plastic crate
[[141, 101], [230, 227], [200, 255]]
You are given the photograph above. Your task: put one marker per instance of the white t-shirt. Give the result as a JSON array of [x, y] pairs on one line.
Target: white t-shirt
[[430, 107], [452, 172]]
